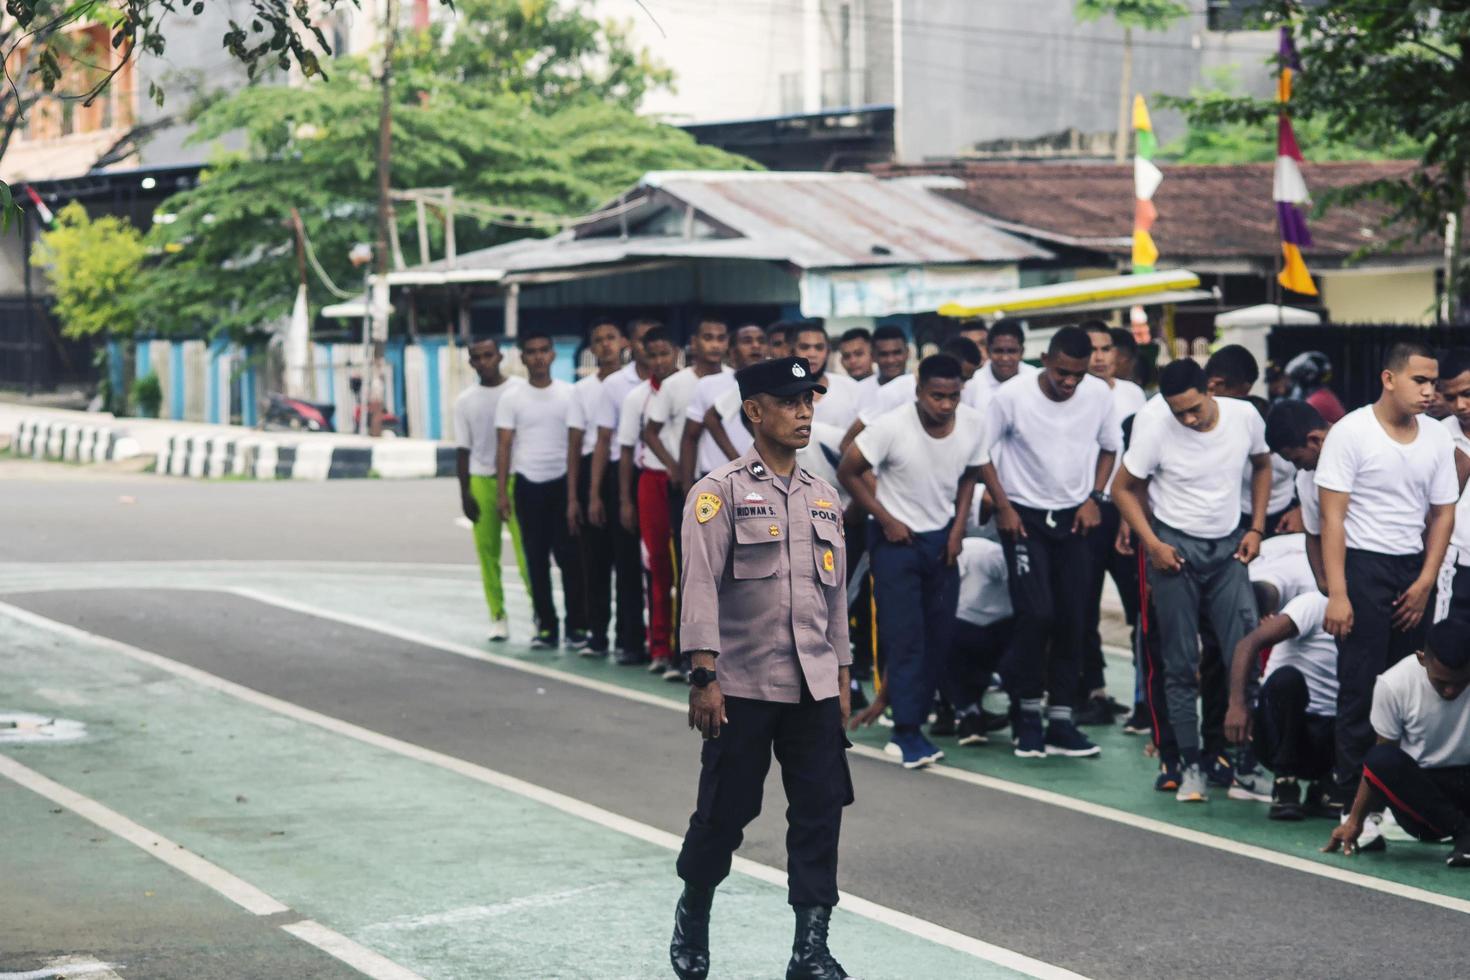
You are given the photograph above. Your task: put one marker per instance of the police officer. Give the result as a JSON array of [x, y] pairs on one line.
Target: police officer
[[764, 620]]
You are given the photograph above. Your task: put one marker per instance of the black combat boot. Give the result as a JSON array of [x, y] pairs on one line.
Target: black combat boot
[[689, 949], [810, 959]]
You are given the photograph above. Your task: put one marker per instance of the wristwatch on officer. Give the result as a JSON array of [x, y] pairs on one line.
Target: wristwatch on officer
[[1098, 497], [701, 677]]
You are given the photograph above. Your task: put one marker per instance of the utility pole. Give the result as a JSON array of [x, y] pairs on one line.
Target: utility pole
[[1125, 126], [373, 384]]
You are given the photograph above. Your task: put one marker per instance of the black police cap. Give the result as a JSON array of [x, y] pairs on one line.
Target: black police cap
[[781, 377]]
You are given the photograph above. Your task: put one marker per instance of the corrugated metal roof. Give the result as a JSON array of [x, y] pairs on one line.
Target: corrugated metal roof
[[810, 220]]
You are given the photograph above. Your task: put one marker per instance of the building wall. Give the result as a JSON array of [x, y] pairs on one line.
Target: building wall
[[1386, 296]]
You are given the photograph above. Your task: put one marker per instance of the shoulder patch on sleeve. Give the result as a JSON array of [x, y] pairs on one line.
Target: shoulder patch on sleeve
[[706, 506]]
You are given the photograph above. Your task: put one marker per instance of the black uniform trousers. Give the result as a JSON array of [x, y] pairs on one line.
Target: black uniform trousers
[[1431, 804], [975, 654], [627, 562], [541, 509], [860, 610], [1288, 740], [1048, 583], [595, 546], [1374, 581], [810, 746], [1124, 571]]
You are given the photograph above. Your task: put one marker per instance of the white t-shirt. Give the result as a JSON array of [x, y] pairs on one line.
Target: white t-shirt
[[670, 407], [985, 597], [631, 418], [839, 406], [1128, 398], [1391, 485], [1191, 488], [1312, 651], [706, 394], [538, 417], [1283, 563], [615, 388], [919, 475], [1432, 731], [1306, 495], [1283, 486], [986, 380], [897, 393], [728, 405], [1460, 542], [820, 457], [474, 423], [1047, 455], [582, 412]]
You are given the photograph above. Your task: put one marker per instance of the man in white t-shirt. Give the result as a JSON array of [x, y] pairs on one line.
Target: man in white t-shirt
[[1005, 345], [699, 452], [1454, 389], [1387, 488], [839, 406], [855, 351], [1095, 707], [1232, 371], [1295, 431], [606, 342], [1053, 438], [1291, 729], [477, 440], [644, 493], [891, 354], [1177, 490], [533, 424], [926, 460], [604, 499], [1420, 766], [983, 627]]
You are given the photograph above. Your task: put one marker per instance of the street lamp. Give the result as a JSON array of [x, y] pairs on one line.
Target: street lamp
[[361, 257]]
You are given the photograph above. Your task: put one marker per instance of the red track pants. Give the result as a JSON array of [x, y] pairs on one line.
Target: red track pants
[[658, 560]]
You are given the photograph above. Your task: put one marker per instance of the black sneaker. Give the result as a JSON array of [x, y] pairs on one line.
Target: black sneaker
[[1338, 799], [578, 639], [1319, 801], [544, 640], [1140, 722], [1094, 712], [1169, 777], [1117, 707], [971, 729], [1460, 850], [991, 721], [630, 658], [1218, 770], [943, 724], [1063, 738], [1286, 800]]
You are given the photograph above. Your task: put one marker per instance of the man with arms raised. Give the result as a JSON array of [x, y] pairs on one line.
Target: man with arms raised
[[1054, 437], [1386, 485]]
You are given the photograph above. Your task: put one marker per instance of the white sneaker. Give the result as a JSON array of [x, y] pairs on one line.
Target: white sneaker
[[1372, 838], [499, 630]]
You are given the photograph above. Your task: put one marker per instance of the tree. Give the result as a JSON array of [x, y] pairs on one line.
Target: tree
[[93, 265], [1376, 74], [227, 261], [1151, 15], [546, 51]]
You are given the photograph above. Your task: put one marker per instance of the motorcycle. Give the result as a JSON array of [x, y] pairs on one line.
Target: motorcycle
[[295, 414]]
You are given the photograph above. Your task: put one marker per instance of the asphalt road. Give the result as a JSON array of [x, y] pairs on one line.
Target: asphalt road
[[1096, 897]]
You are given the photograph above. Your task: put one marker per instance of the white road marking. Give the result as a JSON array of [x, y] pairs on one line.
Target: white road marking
[[211, 875], [480, 913], [68, 966], [937, 934], [1239, 849]]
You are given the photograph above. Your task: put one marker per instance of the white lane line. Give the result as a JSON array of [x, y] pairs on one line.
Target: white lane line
[[355, 955], [242, 893], [937, 934], [68, 966], [211, 875], [1239, 849]]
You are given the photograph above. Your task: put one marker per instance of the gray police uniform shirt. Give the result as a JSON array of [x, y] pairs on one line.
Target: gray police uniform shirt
[[764, 586]]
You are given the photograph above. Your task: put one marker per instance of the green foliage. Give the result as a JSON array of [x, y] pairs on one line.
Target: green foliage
[[1374, 75], [146, 396], [1240, 142], [545, 51], [1151, 15], [93, 265], [227, 262]]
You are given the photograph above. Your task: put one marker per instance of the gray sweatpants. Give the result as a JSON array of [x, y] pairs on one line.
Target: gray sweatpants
[[1213, 580]]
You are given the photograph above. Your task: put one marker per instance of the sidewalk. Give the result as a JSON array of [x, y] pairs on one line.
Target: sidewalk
[[198, 449]]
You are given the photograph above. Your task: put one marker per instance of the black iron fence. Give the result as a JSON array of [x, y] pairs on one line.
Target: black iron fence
[[34, 355], [1356, 351]]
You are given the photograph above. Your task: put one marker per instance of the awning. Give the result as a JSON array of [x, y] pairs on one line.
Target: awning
[[887, 291], [1267, 315], [352, 309], [1084, 295]]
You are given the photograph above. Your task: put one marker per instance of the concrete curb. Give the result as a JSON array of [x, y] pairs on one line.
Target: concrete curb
[[72, 442], [213, 457]]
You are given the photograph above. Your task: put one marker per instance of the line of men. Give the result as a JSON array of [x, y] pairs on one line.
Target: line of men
[[986, 500]]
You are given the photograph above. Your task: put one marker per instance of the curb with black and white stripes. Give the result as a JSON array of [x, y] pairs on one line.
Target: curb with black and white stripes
[[213, 457], [72, 442]]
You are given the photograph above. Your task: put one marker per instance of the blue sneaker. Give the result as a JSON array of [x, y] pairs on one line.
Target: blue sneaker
[[1029, 740], [1064, 738], [911, 748], [1168, 778], [1218, 770], [932, 752]]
